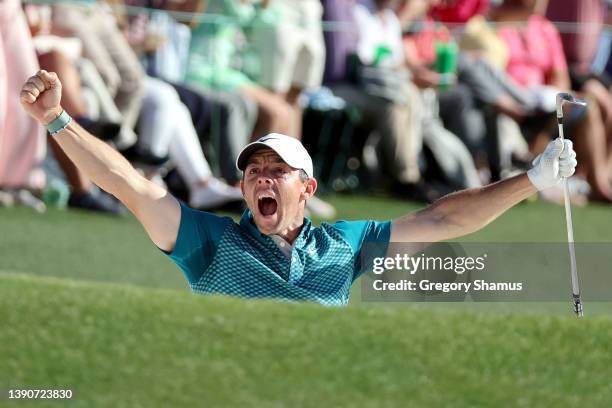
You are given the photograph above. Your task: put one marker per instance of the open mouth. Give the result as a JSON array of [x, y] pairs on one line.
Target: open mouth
[[267, 206]]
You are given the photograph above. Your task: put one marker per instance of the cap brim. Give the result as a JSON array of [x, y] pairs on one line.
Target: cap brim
[[248, 151]]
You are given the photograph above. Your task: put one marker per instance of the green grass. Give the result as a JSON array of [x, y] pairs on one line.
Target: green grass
[[83, 246], [526, 222], [79, 245], [121, 346], [88, 303]]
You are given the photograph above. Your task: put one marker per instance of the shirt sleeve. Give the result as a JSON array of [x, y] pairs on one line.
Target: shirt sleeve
[[197, 241], [361, 233]]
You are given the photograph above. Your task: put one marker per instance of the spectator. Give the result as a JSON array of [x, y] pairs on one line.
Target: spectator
[[396, 108], [584, 21], [210, 64], [223, 120], [481, 106], [398, 123], [457, 107], [22, 143], [288, 38], [166, 128], [489, 87], [155, 143], [105, 45], [160, 41], [61, 54], [537, 58], [580, 48]]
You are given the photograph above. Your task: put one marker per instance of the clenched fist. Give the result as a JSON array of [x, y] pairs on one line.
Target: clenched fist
[[41, 96]]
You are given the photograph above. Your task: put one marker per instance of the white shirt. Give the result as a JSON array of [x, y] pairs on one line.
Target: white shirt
[[377, 30], [283, 245]]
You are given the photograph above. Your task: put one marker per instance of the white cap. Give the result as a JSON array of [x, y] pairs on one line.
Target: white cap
[[288, 148]]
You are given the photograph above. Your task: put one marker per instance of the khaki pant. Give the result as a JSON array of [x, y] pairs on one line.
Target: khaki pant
[[110, 52], [399, 126], [292, 50]]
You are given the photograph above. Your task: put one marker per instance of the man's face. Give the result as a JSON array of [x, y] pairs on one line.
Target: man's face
[[275, 193]]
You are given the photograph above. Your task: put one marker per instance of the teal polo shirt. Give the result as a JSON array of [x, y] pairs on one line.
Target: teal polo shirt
[[220, 256]]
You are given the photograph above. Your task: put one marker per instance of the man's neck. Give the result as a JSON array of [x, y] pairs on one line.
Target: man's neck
[[291, 233]]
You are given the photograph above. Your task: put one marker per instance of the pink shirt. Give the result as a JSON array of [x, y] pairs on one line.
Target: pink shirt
[[425, 41], [535, 51]]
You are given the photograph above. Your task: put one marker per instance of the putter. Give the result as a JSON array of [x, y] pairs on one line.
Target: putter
[[577, 302]]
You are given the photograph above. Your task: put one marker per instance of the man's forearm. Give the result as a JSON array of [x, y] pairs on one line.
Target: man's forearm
[[155, 208], [107, 168], [470, 210]]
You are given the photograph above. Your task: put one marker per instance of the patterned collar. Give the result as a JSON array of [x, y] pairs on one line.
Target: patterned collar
[[247, 222]]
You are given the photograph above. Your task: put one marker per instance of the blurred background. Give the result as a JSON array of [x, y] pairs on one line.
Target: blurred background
[[398, 101], [409, 98]]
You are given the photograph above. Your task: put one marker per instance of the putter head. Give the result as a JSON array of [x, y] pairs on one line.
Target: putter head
[[577, 305], [569, 98]]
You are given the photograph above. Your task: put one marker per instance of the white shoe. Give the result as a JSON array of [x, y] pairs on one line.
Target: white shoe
[[27, 199], [319, 208], [6, 199], [215, 194]]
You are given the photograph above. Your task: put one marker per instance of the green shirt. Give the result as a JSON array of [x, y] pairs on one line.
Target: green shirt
[[212, 51]]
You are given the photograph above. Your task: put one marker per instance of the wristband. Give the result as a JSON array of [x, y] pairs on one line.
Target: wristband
[[58, 124]]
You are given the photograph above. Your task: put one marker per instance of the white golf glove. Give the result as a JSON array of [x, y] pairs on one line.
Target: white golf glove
[[557, 161]]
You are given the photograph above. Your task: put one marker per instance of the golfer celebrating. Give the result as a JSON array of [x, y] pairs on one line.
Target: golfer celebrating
[[274, 251]]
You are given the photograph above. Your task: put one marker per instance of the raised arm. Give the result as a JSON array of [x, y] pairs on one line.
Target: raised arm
[[154, 207], [467, 211]]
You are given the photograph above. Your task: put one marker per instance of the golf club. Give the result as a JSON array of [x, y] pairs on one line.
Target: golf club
[[561, 99]]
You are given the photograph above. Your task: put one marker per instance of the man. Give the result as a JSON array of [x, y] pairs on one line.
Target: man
[[275, 251]]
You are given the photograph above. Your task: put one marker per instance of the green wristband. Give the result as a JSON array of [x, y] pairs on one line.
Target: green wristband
[[58, 124]]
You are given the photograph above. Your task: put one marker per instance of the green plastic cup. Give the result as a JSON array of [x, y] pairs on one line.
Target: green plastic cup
[[56, 193], [446, 58]]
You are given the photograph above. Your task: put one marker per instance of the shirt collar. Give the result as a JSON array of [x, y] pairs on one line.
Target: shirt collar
[[247, 222]]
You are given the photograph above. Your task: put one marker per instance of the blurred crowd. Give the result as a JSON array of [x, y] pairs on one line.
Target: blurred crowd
[[416, 97]]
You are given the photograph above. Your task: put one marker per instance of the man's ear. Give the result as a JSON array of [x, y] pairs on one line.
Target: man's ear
[[242, 187], [310, 187]]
